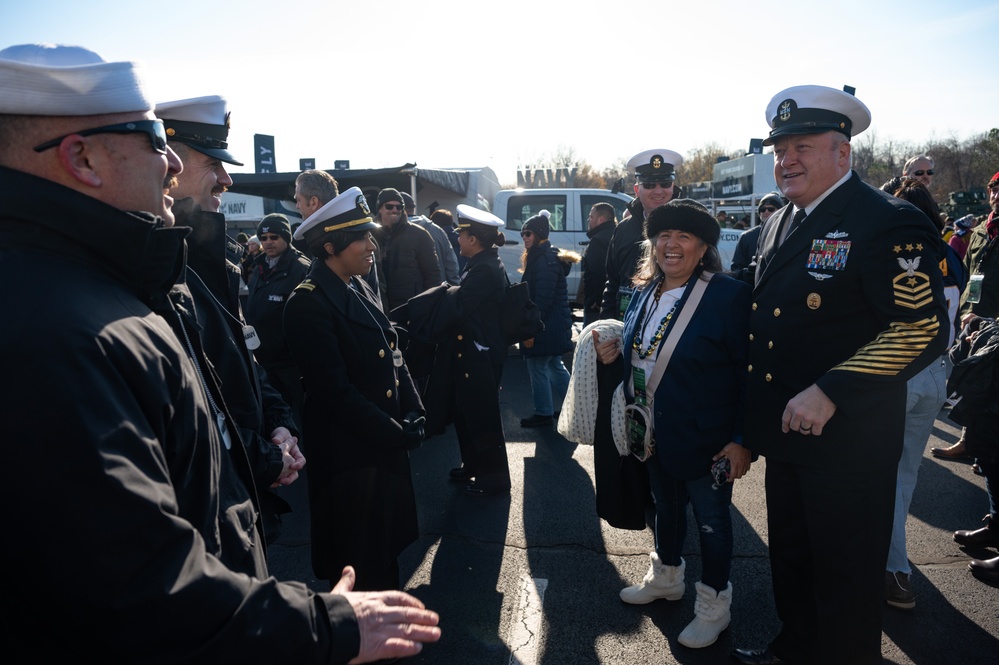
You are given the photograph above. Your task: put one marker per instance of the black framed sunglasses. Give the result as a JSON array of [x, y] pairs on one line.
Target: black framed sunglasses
[[152, 128], [526, 234], [653, 185], [926, 172], [767, 209], [393, 206]]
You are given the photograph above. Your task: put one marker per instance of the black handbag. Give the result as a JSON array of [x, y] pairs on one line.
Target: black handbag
[[520, 318]]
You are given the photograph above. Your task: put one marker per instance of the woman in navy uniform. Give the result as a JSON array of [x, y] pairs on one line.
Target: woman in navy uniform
[[464, 384], [697, 409], [362, 411]]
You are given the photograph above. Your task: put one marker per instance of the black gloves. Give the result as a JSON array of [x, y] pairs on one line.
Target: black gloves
[[412, 430]]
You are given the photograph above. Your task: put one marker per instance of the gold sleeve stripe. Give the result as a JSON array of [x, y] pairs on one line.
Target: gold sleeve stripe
[[892, 350]]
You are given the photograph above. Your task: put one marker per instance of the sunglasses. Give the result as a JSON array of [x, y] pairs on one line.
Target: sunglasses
[[269, 237], [768, 209], [393, 206], [919, 173], [653, 185], [152, 128], [526, 234]]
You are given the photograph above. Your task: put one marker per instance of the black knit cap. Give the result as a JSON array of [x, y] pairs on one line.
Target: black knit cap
[[683, 215], [773, 199], [538, 225], [275, 223], [386, 195]]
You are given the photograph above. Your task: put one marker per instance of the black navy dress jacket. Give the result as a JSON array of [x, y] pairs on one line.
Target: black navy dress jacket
[[852, 301]]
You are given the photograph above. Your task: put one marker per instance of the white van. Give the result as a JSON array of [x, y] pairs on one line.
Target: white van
[[569, 208]]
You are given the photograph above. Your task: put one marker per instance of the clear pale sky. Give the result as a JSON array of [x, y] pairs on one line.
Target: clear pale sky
[[448, 83]]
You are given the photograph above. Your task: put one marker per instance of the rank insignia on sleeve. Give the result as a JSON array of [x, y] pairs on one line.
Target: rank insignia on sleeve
[[307, 285], [911, 288], [828, 254]]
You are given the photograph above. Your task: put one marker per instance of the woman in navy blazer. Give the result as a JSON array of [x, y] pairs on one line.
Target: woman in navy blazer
[[697, 407]]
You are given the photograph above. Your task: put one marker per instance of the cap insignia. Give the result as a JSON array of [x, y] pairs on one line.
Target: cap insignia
[[657, 162], [785, 109], [362, 203]]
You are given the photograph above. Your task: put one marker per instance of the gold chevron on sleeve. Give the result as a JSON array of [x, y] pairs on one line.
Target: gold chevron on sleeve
[[893, 349], [912, 290]]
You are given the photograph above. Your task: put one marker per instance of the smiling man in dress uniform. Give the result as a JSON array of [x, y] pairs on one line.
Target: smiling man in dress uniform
[[655, 171], [848, 305]]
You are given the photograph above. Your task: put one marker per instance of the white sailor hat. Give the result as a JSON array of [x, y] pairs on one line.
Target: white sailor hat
[[49, 79], [468, 215], [657, 165], [815, 109], [347, 212], [200, 122]]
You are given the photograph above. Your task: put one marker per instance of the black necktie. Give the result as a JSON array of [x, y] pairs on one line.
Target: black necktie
[[796, 221]]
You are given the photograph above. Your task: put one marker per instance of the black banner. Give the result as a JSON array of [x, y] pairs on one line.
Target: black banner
[[263, 148]]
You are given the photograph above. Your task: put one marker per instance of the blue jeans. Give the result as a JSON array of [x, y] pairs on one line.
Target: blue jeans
[[549, 383], [712, 510], [925, 395]]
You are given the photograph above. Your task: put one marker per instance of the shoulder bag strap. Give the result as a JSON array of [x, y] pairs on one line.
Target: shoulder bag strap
[[669, 344]]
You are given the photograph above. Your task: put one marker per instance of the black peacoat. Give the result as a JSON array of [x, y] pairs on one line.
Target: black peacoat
[[361, 496]]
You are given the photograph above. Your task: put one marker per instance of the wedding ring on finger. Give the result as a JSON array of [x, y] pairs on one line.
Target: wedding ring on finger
[[805, 430]]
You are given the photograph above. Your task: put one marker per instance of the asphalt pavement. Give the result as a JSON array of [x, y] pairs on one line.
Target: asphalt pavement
[[534, 578]]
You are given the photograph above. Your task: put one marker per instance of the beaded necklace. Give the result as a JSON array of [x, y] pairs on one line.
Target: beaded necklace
[[636, 343]]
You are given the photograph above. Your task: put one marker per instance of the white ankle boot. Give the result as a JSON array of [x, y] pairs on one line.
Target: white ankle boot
[[712, 613], [661, 581]]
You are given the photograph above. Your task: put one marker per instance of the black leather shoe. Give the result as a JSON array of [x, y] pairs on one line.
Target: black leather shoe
[[985, 569], [537, 421], [476, 488], [987, 536], [461, 473], [756, 657]]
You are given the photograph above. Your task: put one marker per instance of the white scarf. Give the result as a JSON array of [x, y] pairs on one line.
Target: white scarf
[[579, 411]]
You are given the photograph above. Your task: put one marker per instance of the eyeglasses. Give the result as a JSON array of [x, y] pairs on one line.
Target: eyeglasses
[[152, 128], [653, 185], [767, 209], [269, 237], [926, 172], [993, 187], [393, 206], [526, 234]]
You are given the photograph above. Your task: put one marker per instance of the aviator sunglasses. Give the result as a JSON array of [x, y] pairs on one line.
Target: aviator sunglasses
[[152, 128], [919, 173]]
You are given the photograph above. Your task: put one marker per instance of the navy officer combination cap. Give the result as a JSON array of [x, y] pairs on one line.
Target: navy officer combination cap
[[50, 79], [658, 165], [815, 109], [347, 212], [469, 215], [201, 123]]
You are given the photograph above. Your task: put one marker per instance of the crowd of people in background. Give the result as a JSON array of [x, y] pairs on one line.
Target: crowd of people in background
[[202, 373]]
